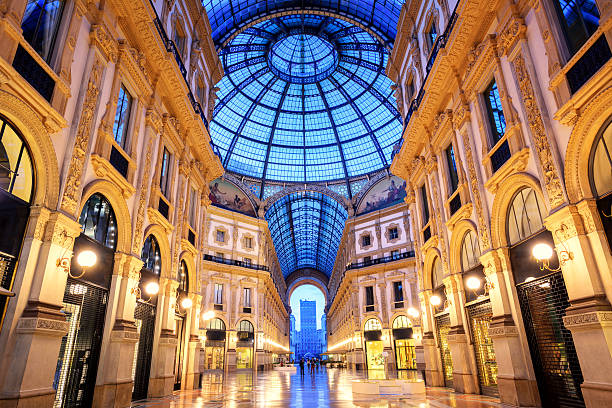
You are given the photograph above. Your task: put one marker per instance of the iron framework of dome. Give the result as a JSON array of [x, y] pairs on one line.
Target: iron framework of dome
[[305, 99]]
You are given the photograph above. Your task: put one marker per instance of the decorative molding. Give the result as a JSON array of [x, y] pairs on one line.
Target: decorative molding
[[72, 191], [551, 181], [577, 321]]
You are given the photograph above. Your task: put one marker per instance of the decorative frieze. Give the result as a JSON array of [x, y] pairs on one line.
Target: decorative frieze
[[551, 180]]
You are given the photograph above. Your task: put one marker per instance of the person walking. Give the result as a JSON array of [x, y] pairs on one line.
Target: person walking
[[302, 366]]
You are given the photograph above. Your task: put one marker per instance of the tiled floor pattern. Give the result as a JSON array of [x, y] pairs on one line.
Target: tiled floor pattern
[[327, 388]]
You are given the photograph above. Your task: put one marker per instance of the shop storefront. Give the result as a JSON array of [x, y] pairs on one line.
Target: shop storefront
[[543, 300], [144, 316], [443, 326], [244, 345], [479, 313], [405, 354], [180, 318], [215, 345], [84, 303], [372, 334]]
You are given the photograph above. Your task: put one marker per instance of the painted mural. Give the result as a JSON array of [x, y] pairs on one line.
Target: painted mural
[[226, 195], [387, 192]]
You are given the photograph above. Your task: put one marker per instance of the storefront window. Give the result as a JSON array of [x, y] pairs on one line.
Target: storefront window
[[374, 351], [244, 357]]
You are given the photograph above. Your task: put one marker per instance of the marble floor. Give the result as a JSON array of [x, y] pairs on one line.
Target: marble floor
[[326, 388]]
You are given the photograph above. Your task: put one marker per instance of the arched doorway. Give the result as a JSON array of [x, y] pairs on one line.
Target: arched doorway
[[180, 317], [308, 331], [245, 333], [543, 300], [215, 344], [144, 316], [84, 304], [479, 312], [16, 188], [405, 353], [372, 333], [600, 177]]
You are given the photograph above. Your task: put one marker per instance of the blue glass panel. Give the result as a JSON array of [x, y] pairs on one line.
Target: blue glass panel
[[302, 100]]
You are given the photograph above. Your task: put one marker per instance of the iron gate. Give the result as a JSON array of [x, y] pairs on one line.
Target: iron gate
[[480, 315], [443, 327], [77, 363], [543, 303], [144, 314]]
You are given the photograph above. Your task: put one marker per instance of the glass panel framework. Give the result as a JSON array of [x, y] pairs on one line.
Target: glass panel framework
[[305, 99], [306, 229], [227, 16]]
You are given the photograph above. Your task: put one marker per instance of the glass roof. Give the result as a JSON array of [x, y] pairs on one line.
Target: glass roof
[[306, 229], [228, 16], [305, 99]]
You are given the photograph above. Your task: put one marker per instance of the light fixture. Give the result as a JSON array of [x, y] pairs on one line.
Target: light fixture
[[435, 300], [542, 252], [186, 303], [152, 288], [85, 259], [474, 283], [208, 315], [413, 312]]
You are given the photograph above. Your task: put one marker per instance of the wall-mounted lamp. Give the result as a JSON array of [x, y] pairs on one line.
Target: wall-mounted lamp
[[208, 315], [474, 283], [413, 312], [151, 289], [85, 259], [186, 303], [436, 301], [542, 252]]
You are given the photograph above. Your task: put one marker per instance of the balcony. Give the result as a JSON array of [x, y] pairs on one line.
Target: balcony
[[234, 262], [385, 259], [589, 63], [32, 72]]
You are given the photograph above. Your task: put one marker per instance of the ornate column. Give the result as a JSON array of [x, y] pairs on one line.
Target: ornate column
[[161, 382], [120, 336], [31, 342], [465, 378], [589, 317], [515, 383], [433, 365], [192, 377]]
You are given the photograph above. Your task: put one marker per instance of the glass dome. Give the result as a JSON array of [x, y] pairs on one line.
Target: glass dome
[[305, 99]]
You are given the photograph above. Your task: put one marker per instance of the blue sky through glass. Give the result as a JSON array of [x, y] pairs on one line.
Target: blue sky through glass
[[307, 292]]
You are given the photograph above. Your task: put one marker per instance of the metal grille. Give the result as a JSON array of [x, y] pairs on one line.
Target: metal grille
[[145, 320], [7, 269], [480, 318], [443, 327], [178, 356], [543, 303], [77, 363]]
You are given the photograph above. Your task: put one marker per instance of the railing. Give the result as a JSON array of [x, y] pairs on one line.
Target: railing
[[163, 208], [592, 60], [438, 45], [384, 259], [500, 156], [234, 262], [455, 204], [119, 162], [171, 47], [32, 72]]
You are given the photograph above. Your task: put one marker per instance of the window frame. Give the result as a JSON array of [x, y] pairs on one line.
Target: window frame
[[369, 295], [452, 170], [397, 291], [426, 216], [494, 135], [218, 294], [125, 132], [165, 172], [59, 34]]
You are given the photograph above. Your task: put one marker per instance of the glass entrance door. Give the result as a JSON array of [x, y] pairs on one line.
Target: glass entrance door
[[443, 327], [480, 315], [244, 357], [215, 358], [405, 354], [374, 355]]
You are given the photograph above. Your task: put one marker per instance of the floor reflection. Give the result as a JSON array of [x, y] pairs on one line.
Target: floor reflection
[[325, 388]]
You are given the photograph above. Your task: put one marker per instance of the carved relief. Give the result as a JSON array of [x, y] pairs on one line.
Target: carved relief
[[551, 180], [142, 199], [72, 191]]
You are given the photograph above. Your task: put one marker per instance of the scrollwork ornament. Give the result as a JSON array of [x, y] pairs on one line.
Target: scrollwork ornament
[[551, 180]]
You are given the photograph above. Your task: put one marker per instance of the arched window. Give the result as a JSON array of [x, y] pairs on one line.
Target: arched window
[[151, 255], [372, 325], [601, 163], [470, 251], [436, 274], [401, 322], [183, 277], [16, 173], [216, 324], [524, 215], [98, 221], [245, 326]]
